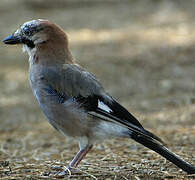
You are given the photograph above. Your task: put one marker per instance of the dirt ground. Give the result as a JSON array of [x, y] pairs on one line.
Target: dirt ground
[[144, 54]]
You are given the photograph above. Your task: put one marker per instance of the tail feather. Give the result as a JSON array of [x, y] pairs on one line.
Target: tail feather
[[163, 151]]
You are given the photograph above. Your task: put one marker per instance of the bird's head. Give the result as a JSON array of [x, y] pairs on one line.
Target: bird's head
[[30, 34], [42, 35]]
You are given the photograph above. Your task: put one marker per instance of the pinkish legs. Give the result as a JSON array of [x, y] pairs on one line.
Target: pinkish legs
[[77, 159]]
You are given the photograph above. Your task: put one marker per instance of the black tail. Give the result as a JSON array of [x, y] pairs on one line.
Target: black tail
[[163, 151]]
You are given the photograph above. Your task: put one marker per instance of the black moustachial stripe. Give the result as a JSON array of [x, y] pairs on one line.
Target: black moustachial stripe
[[28, 42]]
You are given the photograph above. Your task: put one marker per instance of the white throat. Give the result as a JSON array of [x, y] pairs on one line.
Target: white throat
[[30, 51]]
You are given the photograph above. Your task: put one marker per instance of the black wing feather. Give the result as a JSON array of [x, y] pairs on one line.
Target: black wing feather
[[126, 117], [118, 113]]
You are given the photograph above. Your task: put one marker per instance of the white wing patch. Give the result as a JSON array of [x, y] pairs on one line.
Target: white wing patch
[[103, 106]]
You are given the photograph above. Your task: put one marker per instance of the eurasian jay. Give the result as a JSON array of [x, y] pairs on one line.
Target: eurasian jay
[[73, 100]]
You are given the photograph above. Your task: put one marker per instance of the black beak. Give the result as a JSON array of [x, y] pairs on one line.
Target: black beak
[[12, 40], [18, 40]]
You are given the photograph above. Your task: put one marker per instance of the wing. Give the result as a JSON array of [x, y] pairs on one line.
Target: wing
[[83, 86], [108, 109]]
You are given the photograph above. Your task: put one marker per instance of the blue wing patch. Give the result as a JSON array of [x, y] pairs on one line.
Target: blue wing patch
[[60, 97]]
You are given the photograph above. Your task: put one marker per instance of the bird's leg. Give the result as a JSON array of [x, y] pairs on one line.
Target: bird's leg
[[77, 159], [80, 155]]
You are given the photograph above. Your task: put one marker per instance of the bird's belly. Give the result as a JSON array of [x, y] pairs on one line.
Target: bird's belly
[[65, 117]]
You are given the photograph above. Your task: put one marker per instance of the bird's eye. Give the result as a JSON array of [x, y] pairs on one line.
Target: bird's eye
[[27, 31]]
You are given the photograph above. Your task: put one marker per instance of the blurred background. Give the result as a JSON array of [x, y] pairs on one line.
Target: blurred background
[[143, 52]]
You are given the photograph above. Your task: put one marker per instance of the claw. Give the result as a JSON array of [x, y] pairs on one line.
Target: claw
[[62, 174], [67, 172]]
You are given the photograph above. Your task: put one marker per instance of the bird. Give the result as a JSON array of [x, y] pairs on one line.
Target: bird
[[73, 99]]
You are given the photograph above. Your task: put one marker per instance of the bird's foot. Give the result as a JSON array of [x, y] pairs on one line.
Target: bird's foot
[[62, 173]]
